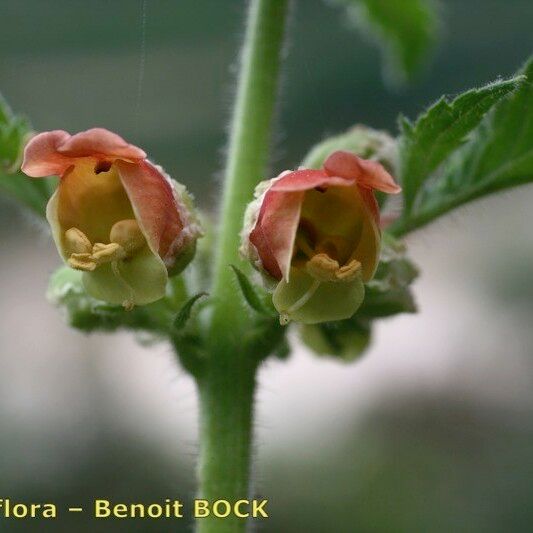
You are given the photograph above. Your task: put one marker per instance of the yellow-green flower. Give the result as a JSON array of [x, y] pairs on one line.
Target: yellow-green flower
[[316, 233], [115, 215]]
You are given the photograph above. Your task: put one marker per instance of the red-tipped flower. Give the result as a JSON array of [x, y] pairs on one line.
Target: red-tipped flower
[[316, 233], [115, 216]]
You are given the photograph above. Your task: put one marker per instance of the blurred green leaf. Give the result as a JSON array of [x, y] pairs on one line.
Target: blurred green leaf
[[439, 131], [498, 155], [30, 192], [404, 29], [14, 132]]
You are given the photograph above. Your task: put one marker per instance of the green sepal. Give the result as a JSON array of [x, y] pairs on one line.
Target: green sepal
[[83, 312], [283, 350], [258, 299], [182, 261], [184, 313], [389, 293], [267, 337], [346, 340]]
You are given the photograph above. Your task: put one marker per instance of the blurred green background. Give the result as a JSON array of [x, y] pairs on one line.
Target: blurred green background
[[431, 432]]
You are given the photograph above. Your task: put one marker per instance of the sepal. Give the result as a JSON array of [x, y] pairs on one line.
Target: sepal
[[257, 298], [66, 291], [345, 340]]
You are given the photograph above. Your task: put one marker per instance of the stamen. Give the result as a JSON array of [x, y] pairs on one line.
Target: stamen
[[127, 304], [128, 235], [76, 242], [322, 267], [106, 253], [83, 261], [302, 300], [349, 271]]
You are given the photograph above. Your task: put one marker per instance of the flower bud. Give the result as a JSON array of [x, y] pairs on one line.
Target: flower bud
[[115, 215], [315, 233]]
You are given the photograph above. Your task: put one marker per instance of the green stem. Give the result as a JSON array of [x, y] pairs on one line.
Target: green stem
[[227, 382], [226, 411], [249, 143]]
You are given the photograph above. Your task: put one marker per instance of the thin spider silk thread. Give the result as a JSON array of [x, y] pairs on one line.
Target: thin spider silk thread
[[142, 62]]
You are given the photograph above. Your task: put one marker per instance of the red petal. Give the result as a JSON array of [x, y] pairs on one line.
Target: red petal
[[99, 142], [368, 173], [275, 230], [41, 157], [152, 198], [370, 200], [53, 152], [305, 180]]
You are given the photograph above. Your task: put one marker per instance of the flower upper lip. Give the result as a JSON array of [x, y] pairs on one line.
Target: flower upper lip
[[51, 153], [275, 229]]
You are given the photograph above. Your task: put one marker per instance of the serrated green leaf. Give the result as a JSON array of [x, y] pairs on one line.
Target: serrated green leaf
[[404, 29], [184, 314], [439, 131], [498, 155], [251, 294]]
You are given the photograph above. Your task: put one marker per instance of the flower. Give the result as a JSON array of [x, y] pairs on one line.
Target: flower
[[115, 216], [316, 234]]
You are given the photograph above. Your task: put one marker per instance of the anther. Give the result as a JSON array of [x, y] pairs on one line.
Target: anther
[[76, 242], [128, 234]]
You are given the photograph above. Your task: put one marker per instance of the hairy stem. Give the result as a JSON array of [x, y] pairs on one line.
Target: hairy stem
[[226, 410], [249, 142], [227, 382]]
